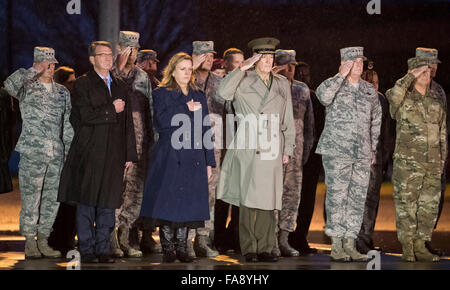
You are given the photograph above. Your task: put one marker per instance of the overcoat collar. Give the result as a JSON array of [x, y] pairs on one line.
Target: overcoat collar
[[261, 89]]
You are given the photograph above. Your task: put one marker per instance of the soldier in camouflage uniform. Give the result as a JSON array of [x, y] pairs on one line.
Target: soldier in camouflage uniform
[[208, 82], [43, 144], [385, 149], [432, 55], [348, 144], [293, 171], [419, 158], [141, 95], [147, 60]]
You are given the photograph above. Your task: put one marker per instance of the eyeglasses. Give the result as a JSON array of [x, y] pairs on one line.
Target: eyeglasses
[[104, 54]]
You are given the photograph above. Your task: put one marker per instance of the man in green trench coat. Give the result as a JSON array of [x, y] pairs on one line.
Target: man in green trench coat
[[252, 171]]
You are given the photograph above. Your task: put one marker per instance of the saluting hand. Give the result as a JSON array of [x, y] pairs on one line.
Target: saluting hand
[[346, 67], [248, 63], [197, 60], [285, 159], [123, 57], [418, 71], [40, 67], [278, 68]]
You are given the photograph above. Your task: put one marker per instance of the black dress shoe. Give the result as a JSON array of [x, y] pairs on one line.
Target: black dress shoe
[[89, 259], [107, 259], [251, 258], [267, 257]]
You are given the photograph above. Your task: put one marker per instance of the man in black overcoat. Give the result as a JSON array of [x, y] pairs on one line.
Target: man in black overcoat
[[103, 146]]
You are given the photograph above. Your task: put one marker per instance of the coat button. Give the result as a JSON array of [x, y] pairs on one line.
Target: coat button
[[179, 163], [198, 163], [257, 152]]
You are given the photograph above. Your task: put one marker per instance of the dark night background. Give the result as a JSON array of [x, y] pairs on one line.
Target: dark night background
[[315, 29]]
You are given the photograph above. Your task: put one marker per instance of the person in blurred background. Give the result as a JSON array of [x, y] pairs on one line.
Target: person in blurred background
[[385, 149], [293, 171], [147, 60], [226, 216], [62, 237], [208, 82], [140, 94], [312, 166], [5, 141]]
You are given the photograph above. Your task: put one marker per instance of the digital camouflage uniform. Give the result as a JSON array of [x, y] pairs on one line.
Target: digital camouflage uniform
[[293, 171], [209, 87], [140, 99], [350, 136], [44, 141], [141, 96], [419, 158]]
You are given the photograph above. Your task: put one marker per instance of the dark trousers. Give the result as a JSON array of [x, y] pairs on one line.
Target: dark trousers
[[226, 238], [64, 229], [444, 187], [94, 239], [311, 172]]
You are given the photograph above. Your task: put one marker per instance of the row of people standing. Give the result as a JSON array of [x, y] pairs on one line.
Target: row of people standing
[[135, 126]]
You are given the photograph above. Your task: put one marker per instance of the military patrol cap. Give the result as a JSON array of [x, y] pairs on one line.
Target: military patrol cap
[[352, 53], [416, 62], [147, 54], [44, 54], [201, 47], [129, 38], [429, 53], [283, 57], [264, 45]]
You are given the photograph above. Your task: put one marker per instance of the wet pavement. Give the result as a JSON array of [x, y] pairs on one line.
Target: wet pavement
[[385, 237]]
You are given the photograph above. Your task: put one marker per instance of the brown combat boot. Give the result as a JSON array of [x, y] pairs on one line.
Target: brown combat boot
[[408, 251], [422, 253]]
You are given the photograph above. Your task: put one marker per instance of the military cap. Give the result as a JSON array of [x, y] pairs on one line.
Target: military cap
[[283, 57], [264, 45], [147, 54], [429, 53], [44, 54], [352, 53], [129, 38], [202, 47], [416, 62]]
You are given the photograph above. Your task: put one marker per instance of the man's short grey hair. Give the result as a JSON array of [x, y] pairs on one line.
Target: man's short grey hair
[[94, 45]]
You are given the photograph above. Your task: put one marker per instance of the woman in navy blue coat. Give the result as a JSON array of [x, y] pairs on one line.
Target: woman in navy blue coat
[[176, 189]]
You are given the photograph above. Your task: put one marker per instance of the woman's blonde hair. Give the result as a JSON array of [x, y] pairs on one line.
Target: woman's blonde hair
[[168, 80]]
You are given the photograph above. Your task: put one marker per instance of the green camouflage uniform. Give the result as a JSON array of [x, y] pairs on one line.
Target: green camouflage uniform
[[350, 136], [293, 171], [141, 103], [209, 87], [44, 141], [419, 158]]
